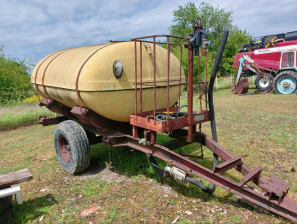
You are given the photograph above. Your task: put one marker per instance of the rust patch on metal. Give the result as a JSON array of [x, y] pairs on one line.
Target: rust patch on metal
[[64, 149]]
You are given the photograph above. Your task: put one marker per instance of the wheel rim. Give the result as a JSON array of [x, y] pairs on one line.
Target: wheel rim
[[64, 149], [264, 82], [286, 85]]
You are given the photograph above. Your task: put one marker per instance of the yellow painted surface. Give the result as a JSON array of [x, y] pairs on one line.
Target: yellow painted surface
[[99, 89]]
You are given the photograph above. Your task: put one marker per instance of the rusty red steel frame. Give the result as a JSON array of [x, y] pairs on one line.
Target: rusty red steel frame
[[140, 119], [273, 196]]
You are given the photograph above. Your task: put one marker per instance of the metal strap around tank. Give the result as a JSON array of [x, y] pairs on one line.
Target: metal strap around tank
[[79, 72], [45, 94], [35, 81]]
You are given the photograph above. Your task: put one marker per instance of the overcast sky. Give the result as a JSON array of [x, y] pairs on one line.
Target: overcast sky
[[36, 28]]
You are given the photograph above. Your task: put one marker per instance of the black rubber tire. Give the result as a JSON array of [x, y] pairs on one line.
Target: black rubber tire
[[281, 75], [6, 215], [263, 83], [78, 145], [4, 202]]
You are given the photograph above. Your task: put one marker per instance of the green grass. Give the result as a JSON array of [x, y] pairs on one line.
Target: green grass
[[225, 82], [259, 127], [14, 116]]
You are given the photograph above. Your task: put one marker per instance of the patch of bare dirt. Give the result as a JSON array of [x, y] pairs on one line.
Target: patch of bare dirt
[[105, 174]]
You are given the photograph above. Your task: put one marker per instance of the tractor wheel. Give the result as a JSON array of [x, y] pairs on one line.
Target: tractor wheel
[[263, 83], [72, 147], [6, 215], [285, 82], [295, 75], [4, 202]]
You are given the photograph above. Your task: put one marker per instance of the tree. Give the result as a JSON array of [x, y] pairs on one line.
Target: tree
[[15, 80], [184, 18], [214, 21]]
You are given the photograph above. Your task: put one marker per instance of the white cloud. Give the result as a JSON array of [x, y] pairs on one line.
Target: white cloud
[[35, 28]]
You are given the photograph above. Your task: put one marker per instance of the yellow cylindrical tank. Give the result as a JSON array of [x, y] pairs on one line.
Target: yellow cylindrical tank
[[99, 88]]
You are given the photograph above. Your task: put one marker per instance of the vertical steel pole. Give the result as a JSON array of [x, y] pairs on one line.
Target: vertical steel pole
[[199, 87], [135, 52], [205, 80], [180, 71], [135, 132], [198, 67], [190, 93], [153, 136], [168, 69], [140, 44], [154, 48]]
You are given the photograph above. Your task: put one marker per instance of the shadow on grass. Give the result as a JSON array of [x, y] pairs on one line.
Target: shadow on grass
[[129, 162], [133, 163], [95, 167], [31, 210]]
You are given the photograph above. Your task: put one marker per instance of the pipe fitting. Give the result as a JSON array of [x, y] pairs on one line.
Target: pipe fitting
[[148, 48], [167, 169], [143, 141], [176, 173]]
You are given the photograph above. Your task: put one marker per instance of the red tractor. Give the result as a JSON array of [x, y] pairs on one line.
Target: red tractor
[[274, 57]]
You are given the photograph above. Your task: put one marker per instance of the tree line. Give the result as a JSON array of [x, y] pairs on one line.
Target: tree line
[[15, 81]]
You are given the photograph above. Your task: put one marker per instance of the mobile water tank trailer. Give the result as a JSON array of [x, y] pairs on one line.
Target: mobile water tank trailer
[[92, 88]]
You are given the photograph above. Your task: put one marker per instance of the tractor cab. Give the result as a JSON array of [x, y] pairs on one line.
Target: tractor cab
[[288, 60], [285, 81]]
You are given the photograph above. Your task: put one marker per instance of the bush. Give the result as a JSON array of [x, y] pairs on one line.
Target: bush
[[15, 79]]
